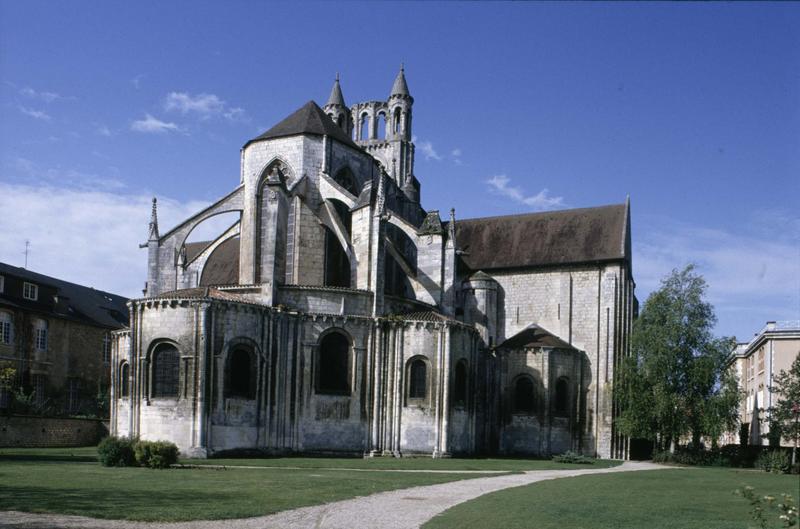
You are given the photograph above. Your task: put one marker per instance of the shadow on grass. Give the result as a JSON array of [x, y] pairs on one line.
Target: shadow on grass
[[61, 458], [114, 504]]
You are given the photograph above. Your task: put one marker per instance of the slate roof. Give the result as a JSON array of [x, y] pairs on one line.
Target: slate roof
[[75, 302], [202, 293], [427, 315], [400, 86], [543, 239], [534, 336], [308, 119], [222, 267]]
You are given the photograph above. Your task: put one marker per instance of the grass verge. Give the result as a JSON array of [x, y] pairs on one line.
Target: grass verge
[[690, 498], [87, 489]]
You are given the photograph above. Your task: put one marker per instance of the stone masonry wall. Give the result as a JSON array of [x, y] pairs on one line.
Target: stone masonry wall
[[49, 432]]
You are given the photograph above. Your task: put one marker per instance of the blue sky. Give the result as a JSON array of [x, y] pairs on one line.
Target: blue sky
[[691, 109]]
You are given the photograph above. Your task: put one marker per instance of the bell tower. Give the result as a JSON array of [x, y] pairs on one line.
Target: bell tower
[[383, 129]]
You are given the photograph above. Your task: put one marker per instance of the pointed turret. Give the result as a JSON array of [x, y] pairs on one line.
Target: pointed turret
[[336, 97], [400, 87], [336, 109], [153, 234]]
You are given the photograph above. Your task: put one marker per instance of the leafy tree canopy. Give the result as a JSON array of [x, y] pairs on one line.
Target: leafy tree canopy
[[677, 381]]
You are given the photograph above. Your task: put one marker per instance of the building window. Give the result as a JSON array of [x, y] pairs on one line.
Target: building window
[[524, 395], [40, 335], [241, 375], [417, 379], [2, 284], [166, 367], [334, 350], [124, 375], [30, 291], [363, 129], [460, 384], [73, 395], [106, 348], [38, 382], [562, 404], [6, 329]]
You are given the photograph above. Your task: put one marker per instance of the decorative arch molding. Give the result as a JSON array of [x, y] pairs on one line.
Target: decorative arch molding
[[276, 170], [240, 341]]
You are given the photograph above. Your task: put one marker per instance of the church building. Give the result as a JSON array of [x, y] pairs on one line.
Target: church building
[[338, 316]]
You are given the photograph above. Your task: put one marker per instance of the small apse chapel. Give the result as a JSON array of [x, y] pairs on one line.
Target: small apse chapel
[[339, 316]]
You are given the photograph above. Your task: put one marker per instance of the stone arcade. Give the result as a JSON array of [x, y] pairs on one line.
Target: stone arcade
[[338, 316]]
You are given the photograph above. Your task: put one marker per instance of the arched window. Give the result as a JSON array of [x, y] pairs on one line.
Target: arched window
[[6, 329], [562, 400], [332, 362], [345, 178], [241, 375], [524, 395], [363, 129], [340, 121], [396, 121], [460, 384], [382, 126], [417, 379], [166, 366], [337, 264], [124, 380]]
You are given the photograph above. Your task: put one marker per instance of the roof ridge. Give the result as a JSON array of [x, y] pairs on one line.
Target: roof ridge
[[535, 213]]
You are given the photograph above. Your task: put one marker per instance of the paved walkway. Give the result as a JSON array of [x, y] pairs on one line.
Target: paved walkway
[[397, 509]]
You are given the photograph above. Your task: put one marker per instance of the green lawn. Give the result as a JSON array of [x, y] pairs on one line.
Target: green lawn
[[686, 498], [186, 494]]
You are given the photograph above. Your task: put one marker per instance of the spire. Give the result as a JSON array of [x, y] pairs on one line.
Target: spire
[[154, 222], [400, 87], [451, 227], [336, 97]]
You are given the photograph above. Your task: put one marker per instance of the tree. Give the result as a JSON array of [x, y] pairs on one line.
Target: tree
[[785, 414], [677, 380]]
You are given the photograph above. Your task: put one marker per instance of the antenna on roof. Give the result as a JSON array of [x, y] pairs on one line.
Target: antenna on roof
[[26, 252]]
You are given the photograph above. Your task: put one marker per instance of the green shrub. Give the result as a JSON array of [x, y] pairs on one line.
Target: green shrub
[[116, 452], [156, 454], [574, 458], [775, 461]]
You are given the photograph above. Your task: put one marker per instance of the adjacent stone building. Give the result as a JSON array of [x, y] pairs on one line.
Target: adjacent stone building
[[56, 336], [773, 349], [339, 316]]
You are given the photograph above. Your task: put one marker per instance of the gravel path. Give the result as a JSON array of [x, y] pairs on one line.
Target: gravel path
[[397, 509]]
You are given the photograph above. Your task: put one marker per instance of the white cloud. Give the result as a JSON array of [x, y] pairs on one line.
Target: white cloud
[[753, 275], [154, 125], [204, 106], [428, 151], [499, 184], [87, 236], [103, 131], [455, 154], [47, 97], [36, 114]]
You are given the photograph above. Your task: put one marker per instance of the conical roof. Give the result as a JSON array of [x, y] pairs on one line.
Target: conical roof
[[308, 119], [400, 87], [336, 97]]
